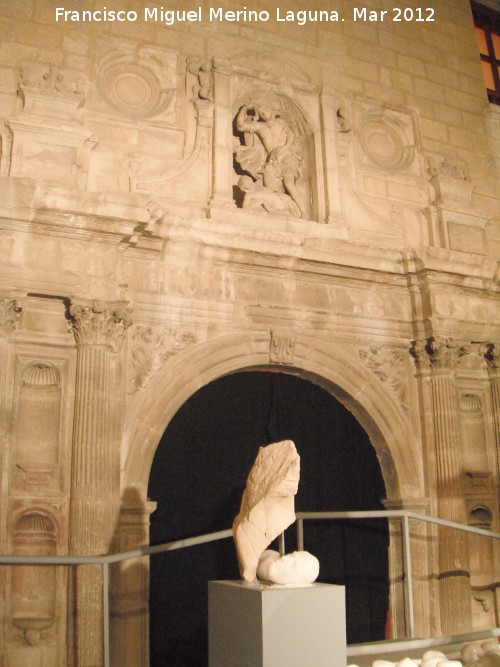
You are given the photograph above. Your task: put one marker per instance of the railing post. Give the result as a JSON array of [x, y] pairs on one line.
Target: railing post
[[300, 533], [282, 544], [105, 606], [408, 575]]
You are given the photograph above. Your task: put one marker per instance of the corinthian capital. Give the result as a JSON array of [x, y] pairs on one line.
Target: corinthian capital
[[492, 356], [443, 353], [10, 312], [99, 323], [438, 353]]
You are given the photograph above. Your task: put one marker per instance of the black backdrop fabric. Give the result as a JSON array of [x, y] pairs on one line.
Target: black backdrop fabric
[[197, 479]]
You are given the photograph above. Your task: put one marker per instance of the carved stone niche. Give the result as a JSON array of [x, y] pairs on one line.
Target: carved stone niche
[[33, 588], [37, 432], [480, 498], [47, 140], [273, 154]]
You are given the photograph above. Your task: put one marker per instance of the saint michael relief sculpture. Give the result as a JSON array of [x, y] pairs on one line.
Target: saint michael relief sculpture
[[270, 157]]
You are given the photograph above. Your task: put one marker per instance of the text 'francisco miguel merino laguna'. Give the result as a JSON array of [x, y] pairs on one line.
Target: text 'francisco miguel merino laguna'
[[218, 14]]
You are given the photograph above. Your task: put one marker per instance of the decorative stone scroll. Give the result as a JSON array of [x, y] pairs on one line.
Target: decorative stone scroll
[[282, 346], [10, 312], [151, 347], [388, 364]]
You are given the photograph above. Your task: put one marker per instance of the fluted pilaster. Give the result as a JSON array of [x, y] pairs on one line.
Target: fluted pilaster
[[95, 487], [492, 356], [438, 357], [10, 311]]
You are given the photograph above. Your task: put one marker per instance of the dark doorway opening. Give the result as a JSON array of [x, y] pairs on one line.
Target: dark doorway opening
[[197, 478]]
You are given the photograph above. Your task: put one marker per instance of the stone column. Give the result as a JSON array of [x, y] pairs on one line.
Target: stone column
[[222, 185], [95, 471], [454, 575], [10, 311], [130, 585], [492, 356]]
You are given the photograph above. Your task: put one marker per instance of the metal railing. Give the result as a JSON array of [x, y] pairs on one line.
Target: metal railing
[[109, 559], [405, 517]]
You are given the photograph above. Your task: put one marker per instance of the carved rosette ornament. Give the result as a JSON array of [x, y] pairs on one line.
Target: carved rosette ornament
[[442, 355]]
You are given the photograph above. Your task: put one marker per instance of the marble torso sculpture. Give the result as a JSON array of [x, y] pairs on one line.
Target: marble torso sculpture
[[267, 509]]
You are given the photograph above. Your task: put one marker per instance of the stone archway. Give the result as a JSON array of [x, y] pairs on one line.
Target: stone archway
[[197, 477], [325, 364]]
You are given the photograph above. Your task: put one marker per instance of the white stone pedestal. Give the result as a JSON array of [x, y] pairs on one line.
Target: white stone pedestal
[[265, 626]]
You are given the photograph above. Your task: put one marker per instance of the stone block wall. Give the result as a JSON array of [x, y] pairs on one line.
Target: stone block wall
[[304, 187]]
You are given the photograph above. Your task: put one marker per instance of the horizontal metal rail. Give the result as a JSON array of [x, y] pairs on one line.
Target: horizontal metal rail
[[387, 647], [394, 514], [101, 559], [405, 516], [116, 558], [105, 560]]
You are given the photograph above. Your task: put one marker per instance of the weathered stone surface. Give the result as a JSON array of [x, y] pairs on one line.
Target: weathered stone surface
[[261, 196]]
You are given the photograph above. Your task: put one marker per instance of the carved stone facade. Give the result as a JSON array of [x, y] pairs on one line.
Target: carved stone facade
[[182, 202]]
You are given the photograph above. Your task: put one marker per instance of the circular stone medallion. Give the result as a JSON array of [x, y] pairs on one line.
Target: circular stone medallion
[[384, 144]]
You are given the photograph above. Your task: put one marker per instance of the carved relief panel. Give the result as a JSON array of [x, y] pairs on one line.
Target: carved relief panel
[[272, 156], [152, 346], [47, 140], [454, 221], [151, 108], [381, 171], [277, 154]]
